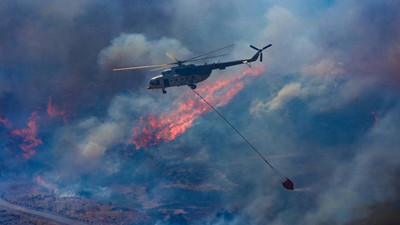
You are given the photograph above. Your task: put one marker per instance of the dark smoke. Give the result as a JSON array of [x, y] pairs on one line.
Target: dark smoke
[[332, 63]]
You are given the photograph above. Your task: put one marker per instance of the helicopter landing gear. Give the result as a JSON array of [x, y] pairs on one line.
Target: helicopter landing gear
[[193, 86], [164, 91]]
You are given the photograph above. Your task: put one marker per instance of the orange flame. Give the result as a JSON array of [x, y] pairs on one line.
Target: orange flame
[[152, 130], [39, 180], [52, 111], [29, 136]]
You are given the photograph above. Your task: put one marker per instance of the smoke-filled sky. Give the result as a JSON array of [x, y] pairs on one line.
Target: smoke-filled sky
[[323, 107]]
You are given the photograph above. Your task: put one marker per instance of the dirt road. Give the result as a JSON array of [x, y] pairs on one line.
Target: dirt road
[[49, 216]]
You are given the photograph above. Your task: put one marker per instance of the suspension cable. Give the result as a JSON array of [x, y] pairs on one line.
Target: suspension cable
[[276, 172]]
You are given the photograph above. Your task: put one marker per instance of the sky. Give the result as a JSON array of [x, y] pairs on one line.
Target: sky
[[322, 107]]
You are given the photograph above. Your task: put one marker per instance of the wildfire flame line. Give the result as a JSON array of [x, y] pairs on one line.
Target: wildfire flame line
[[52, 111], [29, 135], [152, 130], [39, 180]]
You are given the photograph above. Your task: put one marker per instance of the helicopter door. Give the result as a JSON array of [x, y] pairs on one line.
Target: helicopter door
[[166, 83]]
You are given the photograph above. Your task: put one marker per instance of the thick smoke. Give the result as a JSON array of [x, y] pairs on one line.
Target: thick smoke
[[134, 50], [324, 111]]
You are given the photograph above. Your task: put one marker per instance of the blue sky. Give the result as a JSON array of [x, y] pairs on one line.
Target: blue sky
[[325, 111]]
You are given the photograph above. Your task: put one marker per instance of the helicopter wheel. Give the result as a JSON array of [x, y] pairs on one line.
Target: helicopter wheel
[[193, 86], [164, 91]]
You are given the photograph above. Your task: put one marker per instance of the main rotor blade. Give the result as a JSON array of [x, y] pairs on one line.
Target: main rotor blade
[[209, 57], [160, 68], [139, 67], [251, 46], [191, 59], [171, 57], [267, 46]]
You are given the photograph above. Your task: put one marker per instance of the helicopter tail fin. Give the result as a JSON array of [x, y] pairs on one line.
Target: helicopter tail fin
[[259, 52]]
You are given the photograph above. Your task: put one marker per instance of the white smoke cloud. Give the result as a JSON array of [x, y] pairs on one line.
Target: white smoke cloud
[[325, 67], [136, 50], [290, 38], [101, 138], [324, 81], [93, 137], [329, 57], [287, 93], [364, 179]]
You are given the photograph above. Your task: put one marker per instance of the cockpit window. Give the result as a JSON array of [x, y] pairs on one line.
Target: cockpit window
[[155, 82]]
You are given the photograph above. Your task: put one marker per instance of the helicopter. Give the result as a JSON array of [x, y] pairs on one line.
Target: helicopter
[[190, 74]]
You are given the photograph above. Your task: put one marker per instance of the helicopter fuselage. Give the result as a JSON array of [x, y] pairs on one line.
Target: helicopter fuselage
[[180, 75], [190, 74]]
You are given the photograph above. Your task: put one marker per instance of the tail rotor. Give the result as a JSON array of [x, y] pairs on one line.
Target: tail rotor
[[260, 50]]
